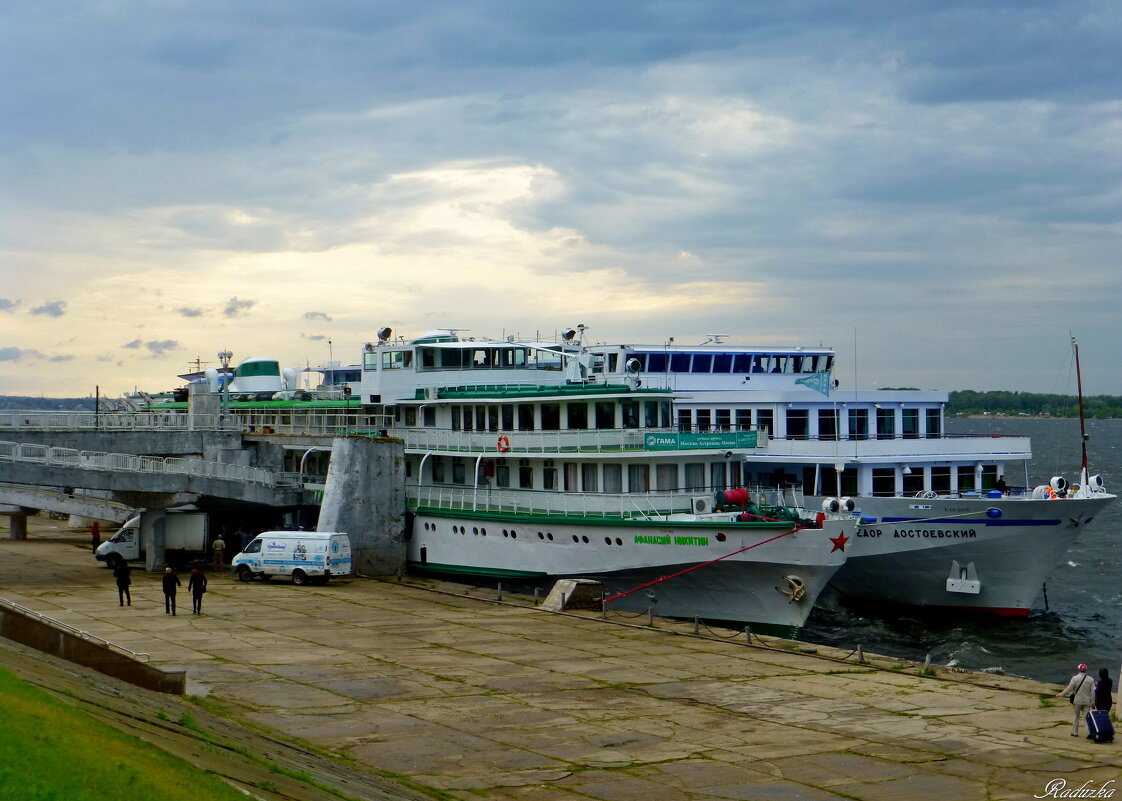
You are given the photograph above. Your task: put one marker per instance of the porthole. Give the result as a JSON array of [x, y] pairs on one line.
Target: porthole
[[619, 541], [584, 540], [475, 530], [549, 536], [541, 536], [483, 532], [513, 534], [607, 540], [506, 533], [721, 537], [576, 538]]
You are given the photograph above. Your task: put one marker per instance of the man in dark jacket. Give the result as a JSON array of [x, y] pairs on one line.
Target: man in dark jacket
[[123, 573], [197, 585], [171, 581]]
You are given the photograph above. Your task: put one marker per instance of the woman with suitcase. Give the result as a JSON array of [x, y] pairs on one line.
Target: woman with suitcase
[[1100, 729]]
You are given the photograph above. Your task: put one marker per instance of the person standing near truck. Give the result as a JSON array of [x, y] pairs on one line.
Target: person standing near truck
[[123, 573], [217, 549], [197, 585], [95, 535], [171, 581]]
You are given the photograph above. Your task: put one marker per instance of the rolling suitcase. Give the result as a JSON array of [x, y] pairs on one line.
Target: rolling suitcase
[[1099, 725]]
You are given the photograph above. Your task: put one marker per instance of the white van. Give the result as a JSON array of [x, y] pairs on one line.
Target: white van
[[305, 555]]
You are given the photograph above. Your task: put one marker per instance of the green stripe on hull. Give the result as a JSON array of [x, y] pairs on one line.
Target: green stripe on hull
[[468, 570]]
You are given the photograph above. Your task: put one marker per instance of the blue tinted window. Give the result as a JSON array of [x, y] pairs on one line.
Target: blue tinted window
[[722, 362], [656, 362], [743, 363], [680, 363], [702, 362]]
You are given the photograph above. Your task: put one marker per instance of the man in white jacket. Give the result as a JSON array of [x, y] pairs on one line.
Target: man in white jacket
[[1081, 689]]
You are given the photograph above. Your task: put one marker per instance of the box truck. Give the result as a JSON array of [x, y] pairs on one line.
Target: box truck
[[306, 556], [185, 538]]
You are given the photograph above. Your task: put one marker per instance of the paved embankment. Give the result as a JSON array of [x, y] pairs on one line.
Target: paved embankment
[[504, 701]]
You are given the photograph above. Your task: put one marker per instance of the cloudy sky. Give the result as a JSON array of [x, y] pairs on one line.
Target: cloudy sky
[[933, 188]]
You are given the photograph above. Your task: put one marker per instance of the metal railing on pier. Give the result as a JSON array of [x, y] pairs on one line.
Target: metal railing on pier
[[131, 463]]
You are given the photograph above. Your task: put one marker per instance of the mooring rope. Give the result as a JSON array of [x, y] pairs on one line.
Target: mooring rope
[[701, 564]]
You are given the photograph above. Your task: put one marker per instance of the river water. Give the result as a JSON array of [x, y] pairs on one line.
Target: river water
[[1082, 621]]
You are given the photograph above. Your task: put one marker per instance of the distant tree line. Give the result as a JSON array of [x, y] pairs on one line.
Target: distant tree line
[[968, 401], [22, 403]]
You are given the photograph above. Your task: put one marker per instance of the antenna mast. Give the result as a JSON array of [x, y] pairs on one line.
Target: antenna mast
[[1082, 422]]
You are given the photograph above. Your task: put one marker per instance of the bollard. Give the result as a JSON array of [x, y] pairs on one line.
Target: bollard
[[927, 663], [697, 625], [650, 616], [603, 609], [748, 634], [536, 590], [860, 655], [500, 591]]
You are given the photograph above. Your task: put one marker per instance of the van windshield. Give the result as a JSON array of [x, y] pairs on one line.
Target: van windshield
[[253, 547]]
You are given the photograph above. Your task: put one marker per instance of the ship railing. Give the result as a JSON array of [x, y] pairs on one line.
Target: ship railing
[[133, 463], [622, 505], [605, 440], [326, 422], [152, 420]]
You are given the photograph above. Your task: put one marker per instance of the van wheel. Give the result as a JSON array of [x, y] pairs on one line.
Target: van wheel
[[244, 573], [299, 578]]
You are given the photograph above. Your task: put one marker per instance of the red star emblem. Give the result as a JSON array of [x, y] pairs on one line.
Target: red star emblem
[[839, 542]]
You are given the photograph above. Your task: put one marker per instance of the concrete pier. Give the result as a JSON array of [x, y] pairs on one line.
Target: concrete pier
[[471, 698]]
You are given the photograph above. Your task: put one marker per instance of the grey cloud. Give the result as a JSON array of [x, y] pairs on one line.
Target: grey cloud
[[8, 305], [189, 312], [55, 308], [313, 337], [61, 358], [315, 315], [18, 354], [161, 347], [135, 344], [234, 306]]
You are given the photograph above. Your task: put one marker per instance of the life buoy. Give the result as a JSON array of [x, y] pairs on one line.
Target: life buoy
[[1050, 493], [503, 443]]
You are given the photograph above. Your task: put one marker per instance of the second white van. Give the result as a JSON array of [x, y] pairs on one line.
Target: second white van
[[306, 556]]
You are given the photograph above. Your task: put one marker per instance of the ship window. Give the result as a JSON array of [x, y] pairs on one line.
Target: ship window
[[722, 362], [743, 419], [459, 474], [798, 423], [525, 477], [765, 364], [410, 416], [438, 470], [886, 423], [613, 478], [469, 417], [613, 362], [370, 361], [911, 423], [492, 418], [638, 478], [525, 417], [629, 410], [735, 479], [724, 419], [934, 423], [913, 482], [666, 477], [428, 357], [828, 424], [680, 363], [717, 476], [685, 420], [549, 478], [702, 362], [744, 363], [578, 415], [703, 419], [508, 417], [588, 477], [966, 478], [429, 416], [941, 479], [884, 481], [650, 414], [452, 359], [551, 416], [858, 423], [656, 362], [765, 420], [695, 476], [605, 414], [989, 476], [664, 414], [571, 475]]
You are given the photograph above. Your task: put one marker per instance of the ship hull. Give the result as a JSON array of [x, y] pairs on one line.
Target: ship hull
[[740, 578], [982, 555]]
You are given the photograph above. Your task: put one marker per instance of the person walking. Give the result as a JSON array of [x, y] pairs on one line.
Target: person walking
[[1081, 691], [123, 573], [95, 535], [1103, 688], [197, 585], [217, 548], [171, 581]]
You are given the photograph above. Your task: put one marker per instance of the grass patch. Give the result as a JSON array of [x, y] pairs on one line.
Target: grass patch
[[56, 752], [1046, 701]]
